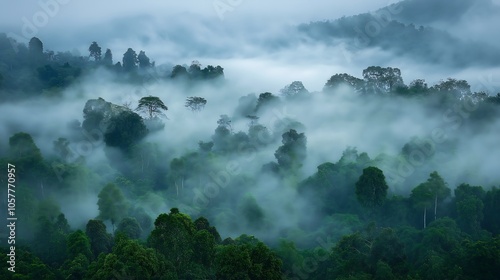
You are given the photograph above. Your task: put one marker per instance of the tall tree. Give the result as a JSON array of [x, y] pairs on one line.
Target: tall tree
[[371, 188], [108, 58], [130, 60], [152, 106], [95, 51], [173, 237], [293, 151], [35, 47], [112, 204], [382, 80], [79, 243], [143, 60], [422, 198], [100, 240], [438, 188]]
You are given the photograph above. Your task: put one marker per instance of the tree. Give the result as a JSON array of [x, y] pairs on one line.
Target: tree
[[491, 220], [49, 242], [195, 103], [131, 260], [130, 228], [130, 60], [418, 86], [438, 189], [469, 206], [173, 237], [125, 130], [294, 90], [338, 80], [143, 60], [202, 224], [382, 80], [79, 243], [100, 240], [195, 70], [457, 88], [22, 146], [232, 263], [204, 246], [35, 47], [152, 106], [108, 58], [211, 72], [293, 151], [422, 198], [223, 134], [252, 213], [95, 51], [28, 158], [112, 204], [179, 72], [266, 99], [371, 188]]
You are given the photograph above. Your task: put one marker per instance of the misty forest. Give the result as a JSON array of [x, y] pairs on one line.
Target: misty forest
[[363, 147]]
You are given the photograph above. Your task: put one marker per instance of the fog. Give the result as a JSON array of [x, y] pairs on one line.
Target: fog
[[256, 44]]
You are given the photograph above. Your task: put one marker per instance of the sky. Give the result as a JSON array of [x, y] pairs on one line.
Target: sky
[[229, 33], [172, 31]]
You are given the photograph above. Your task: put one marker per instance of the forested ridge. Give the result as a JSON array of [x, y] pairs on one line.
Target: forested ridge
[[241, 202]]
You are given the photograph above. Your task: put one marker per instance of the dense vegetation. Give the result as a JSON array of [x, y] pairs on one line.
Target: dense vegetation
[[365, 216]]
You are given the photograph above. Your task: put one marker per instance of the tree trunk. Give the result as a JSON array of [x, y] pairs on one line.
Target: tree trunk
[[425, 216], [435, 207]]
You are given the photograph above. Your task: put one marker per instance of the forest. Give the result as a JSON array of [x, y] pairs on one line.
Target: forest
[[150, 189]]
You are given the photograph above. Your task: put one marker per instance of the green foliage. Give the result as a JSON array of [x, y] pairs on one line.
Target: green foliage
[[130, 228], [100, 240], [112, 204], [173, 237], [130, 260], [152, 106], [371, 188], [252, 213], [50, 242], [125, 130], [27, 156], [292, 153], [78, 244], [247, 262]]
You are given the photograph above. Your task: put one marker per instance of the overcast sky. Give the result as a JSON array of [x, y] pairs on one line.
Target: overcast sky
[[74, 17], [219, 32]]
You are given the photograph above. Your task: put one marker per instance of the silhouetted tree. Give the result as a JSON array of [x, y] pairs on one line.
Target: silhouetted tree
[[143, 60], [95, 51], [108, 58], [152, 106], [195, 103], [129, 60]]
